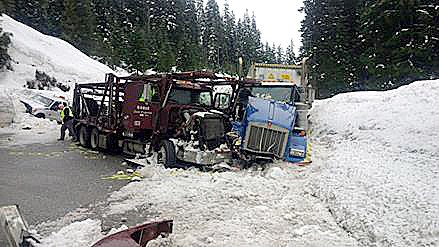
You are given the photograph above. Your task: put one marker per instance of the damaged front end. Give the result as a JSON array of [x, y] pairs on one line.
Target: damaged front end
[[203, 139]]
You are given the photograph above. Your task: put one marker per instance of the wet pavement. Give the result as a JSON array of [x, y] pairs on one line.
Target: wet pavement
[[48, 181]]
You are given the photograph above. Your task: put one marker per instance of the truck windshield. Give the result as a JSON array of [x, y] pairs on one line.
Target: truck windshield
[[42, 100], [189, 97], [282, 94]]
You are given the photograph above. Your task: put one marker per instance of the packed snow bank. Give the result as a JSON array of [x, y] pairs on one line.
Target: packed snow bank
[[78, 234], [31, 50], [231, 209], [7, 111], [378, 153]]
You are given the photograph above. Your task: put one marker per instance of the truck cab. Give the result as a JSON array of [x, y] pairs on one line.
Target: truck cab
[[272, 124]]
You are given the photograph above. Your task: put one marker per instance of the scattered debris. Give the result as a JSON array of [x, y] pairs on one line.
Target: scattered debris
[[137, 236], [121, 175]]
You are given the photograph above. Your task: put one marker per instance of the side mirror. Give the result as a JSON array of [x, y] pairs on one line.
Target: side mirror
[[222, 101]]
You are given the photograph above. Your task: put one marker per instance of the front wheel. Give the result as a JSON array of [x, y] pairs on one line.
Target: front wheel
[[166, 154]]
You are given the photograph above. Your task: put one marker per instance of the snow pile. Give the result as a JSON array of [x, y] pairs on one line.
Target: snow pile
[[248, 208], [78, 234], [378, 157], [7, 110], [31, 50]]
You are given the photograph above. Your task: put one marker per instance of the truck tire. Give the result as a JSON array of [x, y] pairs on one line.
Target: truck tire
[[94, 139], [166, 154], [84, 136]]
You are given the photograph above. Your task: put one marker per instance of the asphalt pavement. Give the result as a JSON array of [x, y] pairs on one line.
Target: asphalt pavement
[[49, 180]]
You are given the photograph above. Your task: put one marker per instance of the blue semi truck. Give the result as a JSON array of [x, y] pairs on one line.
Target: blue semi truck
[[270, 114], [273, 124]]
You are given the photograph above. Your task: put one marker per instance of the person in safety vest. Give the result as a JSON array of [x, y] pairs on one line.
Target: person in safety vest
[[67, 121]]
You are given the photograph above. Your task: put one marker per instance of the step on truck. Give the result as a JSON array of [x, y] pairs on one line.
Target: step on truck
[[169, 115]]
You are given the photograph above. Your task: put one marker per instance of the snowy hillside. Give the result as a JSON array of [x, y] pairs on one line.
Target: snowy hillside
[[378, 153], [31, 50]]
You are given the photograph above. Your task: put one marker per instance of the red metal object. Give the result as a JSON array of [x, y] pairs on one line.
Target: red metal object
[[137, 236]]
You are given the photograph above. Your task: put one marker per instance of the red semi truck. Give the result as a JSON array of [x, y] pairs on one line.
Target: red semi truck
[[169, 114]]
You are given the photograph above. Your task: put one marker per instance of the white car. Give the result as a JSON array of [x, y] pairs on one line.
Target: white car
[[43, 106]]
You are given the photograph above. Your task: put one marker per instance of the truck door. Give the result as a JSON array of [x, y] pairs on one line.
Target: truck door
[[142, 103]]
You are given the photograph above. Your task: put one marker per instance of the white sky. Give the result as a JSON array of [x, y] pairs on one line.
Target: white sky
[[278, 20]]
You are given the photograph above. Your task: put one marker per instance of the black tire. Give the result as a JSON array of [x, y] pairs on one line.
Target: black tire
[[84, 136], [40, 115], [166, 154], [94, 139]]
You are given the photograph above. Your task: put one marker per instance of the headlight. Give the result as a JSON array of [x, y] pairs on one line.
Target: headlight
[[297, 153]]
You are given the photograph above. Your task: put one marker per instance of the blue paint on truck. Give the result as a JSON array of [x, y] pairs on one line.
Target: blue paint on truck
[[267, 129]]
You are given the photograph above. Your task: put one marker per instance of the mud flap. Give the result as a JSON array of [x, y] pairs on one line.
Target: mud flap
[[15, 227]]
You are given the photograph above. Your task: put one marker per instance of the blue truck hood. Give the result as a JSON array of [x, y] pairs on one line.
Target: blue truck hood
[[265, 111]]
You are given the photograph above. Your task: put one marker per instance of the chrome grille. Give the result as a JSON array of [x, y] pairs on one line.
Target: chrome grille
[[268, 140]]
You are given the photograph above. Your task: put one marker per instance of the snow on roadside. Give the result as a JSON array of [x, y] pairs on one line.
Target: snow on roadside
[[31, 50], [378, 153], [78, 234], [233, 208]]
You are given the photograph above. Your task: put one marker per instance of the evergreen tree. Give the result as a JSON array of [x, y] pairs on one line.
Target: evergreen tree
[[189, 49], [138, 52], [141, 34], [9, 7], [290, 56], [230, 40], [280, 59], [78, 25], [401, 38], [361, 44], [270, 54], [212, 35], [329, 34], [55, 12], [5, 41], [31, 12]]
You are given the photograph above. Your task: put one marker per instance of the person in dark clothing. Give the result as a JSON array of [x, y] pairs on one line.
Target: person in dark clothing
[[243, 96], [67, 121]]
